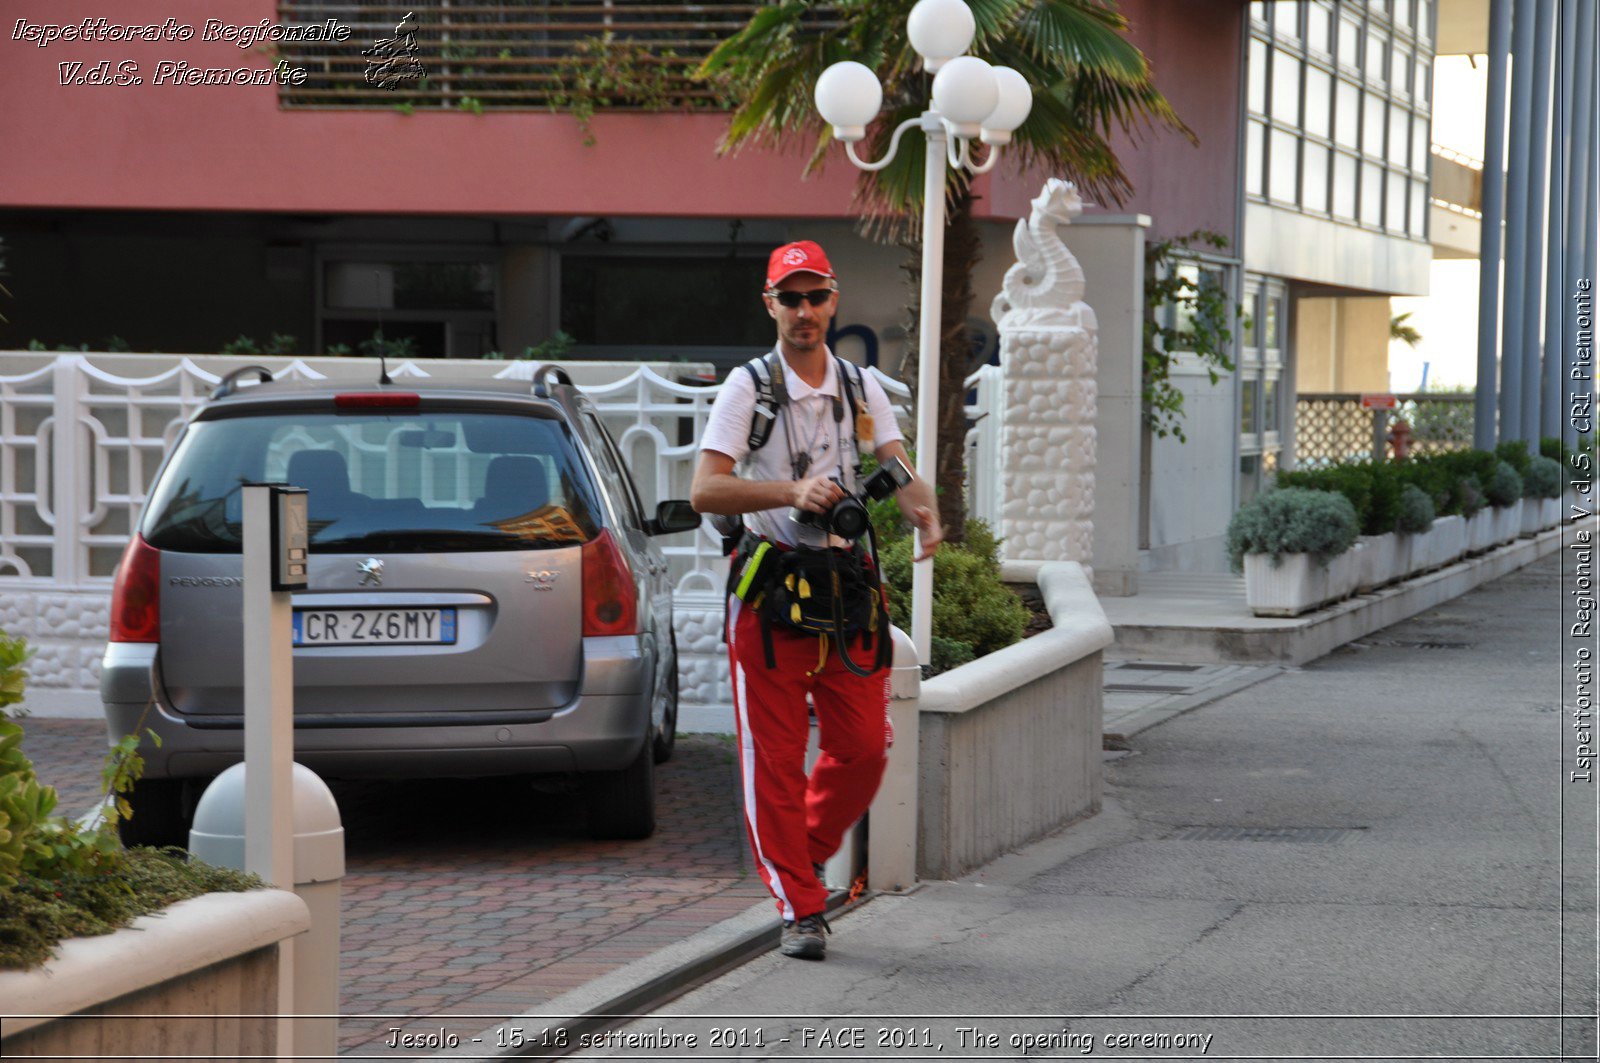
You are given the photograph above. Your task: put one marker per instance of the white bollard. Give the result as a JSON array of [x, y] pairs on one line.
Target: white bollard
[[318, 842], [892, 837]]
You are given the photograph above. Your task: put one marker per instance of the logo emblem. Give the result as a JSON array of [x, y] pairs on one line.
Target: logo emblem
[[542, 579], [371, 572], [793, 257]]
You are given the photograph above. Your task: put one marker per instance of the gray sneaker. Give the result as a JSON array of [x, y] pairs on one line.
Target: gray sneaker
[[802, 938]]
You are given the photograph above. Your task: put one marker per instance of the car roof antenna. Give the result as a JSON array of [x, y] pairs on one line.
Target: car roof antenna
[[383, 362]]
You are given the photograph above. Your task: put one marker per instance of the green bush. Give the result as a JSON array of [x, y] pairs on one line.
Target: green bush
[[1514, 452], [1543, 478], [970, 603], [1292, 520], [1416, 510], [14, 654], [1472, 496], [1506, 486]]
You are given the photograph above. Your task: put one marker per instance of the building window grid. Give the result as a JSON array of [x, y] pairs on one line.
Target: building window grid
[[1381, 142]]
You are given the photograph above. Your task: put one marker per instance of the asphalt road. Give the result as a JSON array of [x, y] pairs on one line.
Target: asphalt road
[[1377, 856]]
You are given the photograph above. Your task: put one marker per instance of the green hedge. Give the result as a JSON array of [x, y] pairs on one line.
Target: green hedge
[[1292, 520]]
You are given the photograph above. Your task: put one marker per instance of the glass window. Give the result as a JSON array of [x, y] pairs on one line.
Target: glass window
[[1399, 134], [1319, 101], [1399, 69], [1395, 210], [651, 301], [1371, 194], [1419, 210], [1425, 19], [1420, 88], [1247, 321], [1258, 76], [1372, 125], [1344, 185], [1247, 406], [1319, 29], [409, 286], [419, 482], [1347, 116], [1314, 190], [1402, 13], [1269, 405], [1285, 87], [1375, 57], [1286, 18], [1419, 143], [1255, 151], [1269, 327], [1350, 43], [1282, 180], [1258, 10]]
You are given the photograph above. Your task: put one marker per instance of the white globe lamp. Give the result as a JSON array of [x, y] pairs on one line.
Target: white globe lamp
[[1011, 110], [965, 93], [848, 97], [940, 30]]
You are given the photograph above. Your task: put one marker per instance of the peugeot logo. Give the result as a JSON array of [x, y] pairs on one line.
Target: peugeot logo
[[542, 579], [371, 572]]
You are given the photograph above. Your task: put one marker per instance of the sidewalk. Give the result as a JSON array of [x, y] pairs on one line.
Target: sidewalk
[[1361, 857]]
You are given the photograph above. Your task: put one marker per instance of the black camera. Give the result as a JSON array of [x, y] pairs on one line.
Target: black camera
[[847, 518]]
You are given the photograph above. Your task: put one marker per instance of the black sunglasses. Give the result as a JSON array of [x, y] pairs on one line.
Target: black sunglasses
[[816, 297]]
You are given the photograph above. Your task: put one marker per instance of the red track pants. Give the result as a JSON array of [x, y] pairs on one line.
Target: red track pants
[[794, 821]]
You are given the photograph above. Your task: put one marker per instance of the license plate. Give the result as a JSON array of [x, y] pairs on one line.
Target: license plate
[[375, 627]]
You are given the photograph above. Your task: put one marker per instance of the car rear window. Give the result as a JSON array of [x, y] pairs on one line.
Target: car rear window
[[415, 482]]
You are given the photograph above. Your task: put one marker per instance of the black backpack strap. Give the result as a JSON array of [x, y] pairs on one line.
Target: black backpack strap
[[771, 397]]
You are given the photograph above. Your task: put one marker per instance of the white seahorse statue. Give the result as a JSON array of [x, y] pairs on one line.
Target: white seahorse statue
[[1046, 279]]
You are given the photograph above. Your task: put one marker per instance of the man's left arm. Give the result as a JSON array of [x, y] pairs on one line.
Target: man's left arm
[[916, 501]]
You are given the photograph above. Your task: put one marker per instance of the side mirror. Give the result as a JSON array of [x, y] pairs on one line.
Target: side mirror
[[672, 516]]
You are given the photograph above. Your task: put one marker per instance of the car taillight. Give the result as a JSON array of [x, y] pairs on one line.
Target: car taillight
[[383, 400], [136, 594], [610, 605]]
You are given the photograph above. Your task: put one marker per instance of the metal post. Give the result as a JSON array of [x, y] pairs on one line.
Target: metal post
[[929, 333], [1492, 239], [1580, 205], [1561, 207], [1538, 231], [268, 727], [1380, 436], [69, 480], [1522, 29]]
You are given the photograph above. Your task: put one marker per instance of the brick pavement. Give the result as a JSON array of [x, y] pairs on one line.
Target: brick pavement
[[485, 898]]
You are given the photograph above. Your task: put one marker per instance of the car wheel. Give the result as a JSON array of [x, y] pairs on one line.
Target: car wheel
[[667, 737], [622, 804], [161, 813]]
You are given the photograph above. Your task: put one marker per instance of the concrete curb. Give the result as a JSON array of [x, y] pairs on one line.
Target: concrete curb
[[648, 982], [1159, 713]]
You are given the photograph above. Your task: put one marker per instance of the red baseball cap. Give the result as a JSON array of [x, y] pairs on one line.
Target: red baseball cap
[[802, 256]]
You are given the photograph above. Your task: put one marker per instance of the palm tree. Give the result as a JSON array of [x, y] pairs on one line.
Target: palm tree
[[1087, 79]]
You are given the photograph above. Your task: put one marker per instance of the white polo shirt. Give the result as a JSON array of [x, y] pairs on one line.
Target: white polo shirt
[[805, 422]]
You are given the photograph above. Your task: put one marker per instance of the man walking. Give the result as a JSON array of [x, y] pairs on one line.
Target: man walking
[[795, 425]]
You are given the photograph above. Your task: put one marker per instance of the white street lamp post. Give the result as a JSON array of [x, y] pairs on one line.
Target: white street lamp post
[[971, 99]]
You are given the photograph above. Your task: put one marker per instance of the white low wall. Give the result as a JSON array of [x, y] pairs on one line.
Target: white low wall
[[1010, 744]]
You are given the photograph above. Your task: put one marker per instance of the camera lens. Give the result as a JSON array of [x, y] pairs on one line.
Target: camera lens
[[849, 518]]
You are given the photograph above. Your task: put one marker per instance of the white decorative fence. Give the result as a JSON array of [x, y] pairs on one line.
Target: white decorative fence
[[81, 436]]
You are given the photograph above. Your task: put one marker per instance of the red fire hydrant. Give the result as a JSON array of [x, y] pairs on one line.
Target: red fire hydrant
[[1400, 440]]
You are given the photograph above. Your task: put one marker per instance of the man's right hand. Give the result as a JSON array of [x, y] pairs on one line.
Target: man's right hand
[[816, 494]]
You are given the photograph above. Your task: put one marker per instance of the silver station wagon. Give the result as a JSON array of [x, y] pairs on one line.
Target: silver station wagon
[[485, 595]]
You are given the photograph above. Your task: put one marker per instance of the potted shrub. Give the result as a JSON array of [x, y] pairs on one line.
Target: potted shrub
[[1504, 491], [1480, 517], [1413, 523], [1541, 495], [1294, 546]]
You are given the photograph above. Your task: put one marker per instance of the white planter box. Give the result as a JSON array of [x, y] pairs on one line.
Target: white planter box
[[1507, 522], [1549, 512], [1532, 514], [1568, 501], [1423, 549], [1450, 539], [1294, 585], [212, 958], [1380, 561], [1480, 530], [1344, 572], [1405, 545]]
